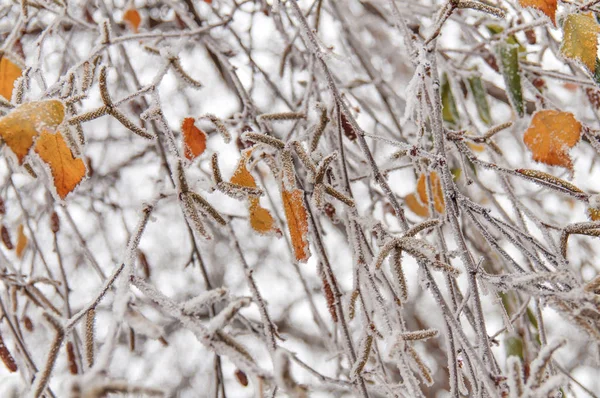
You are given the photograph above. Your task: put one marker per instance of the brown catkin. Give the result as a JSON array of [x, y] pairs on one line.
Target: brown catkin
[[71, 358], [352, 307], [329, 296], [6, 238], [6, 357], [2, 206], [89, 336], [423, 369]]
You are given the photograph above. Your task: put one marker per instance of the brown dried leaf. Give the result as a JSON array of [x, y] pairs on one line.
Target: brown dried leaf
[[6, 357]]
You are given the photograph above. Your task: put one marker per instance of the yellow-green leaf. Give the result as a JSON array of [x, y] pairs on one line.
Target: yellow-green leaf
[[580, 39]]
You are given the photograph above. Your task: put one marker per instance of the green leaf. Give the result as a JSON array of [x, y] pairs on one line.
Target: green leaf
[[513, 346], [449, 111], [456, 173], [480, 98], [531, 317], [506, 301], [508, 55]]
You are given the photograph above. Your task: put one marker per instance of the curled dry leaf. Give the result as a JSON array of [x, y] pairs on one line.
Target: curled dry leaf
[[297, 220], [194, 139], [347, 127], [133, 19], [548, 7], [241, 377], [580, 39], [6, 357], [550, 136], [21, 241], [24, 123], [67, 171], [418, 203], [415, 205], [6, 237], [9, 72], [261, 219]]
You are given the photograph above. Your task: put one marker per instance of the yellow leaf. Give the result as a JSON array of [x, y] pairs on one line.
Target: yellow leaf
[[415, 205], [21, 242], [67, 171], [24, 123], [436, 186], [476, 147], [132, 17], [550, 136], [297, 220], [194, 139], [594, 214], [580, 39], [9, 72], [261, 219], [548, 7]]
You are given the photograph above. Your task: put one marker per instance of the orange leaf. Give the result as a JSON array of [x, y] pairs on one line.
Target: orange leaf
[[67, 170], [436, 186], [194, 139], [133, 19], [297, 220], [548, 7], [241, 175], [550, 136], [21, 242], [9, 72], [23, 123], [415, 205], [261, 219]]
